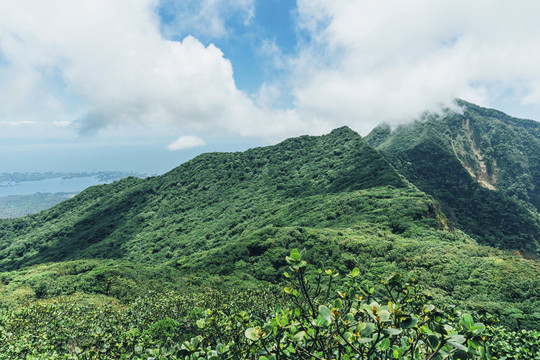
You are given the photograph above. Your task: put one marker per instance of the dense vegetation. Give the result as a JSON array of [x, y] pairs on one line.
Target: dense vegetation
[[145, 267], [316, 317], [481, 164], [19, 205]]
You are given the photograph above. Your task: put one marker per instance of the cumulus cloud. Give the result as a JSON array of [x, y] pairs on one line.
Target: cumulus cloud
[[186, 142], [368, 62], [101, 64]]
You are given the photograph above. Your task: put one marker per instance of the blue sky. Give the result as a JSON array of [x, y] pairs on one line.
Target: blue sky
[[144, 85]]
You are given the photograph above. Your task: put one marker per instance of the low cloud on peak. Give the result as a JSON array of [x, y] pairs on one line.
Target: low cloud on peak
[[103, 65]]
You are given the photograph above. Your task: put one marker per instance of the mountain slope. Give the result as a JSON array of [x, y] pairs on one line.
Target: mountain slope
[[481, 164], [234, 217], [200, 204]]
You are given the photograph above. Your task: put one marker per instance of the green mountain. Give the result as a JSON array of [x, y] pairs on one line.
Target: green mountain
[[233, 217], [481, 164], [201, 204]]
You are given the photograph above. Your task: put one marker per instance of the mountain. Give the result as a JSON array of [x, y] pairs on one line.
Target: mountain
[[202, 203], [481, 164], [231, 218], [19, 205]]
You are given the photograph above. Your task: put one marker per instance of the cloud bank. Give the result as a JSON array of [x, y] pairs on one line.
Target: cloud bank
[[390, 61], [106, 64], [103, 64]]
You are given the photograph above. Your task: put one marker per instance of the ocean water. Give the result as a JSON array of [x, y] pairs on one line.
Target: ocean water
[[53, 185]]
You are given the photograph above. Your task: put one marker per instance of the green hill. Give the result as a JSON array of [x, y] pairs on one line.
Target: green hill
[[231, 218], [201, 204], [481, 164]]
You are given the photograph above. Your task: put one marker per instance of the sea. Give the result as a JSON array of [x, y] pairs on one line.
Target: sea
[[53, 185]]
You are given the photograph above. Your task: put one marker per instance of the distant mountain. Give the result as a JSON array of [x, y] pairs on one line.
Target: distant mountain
[[481, 164], [29, 193]]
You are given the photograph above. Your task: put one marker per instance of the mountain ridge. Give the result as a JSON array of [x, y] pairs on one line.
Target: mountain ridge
[[230, 219], [340, 161], [481, 164]]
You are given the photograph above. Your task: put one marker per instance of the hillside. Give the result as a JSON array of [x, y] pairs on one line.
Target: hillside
[[481, 164], [199, 205], [231, 218]]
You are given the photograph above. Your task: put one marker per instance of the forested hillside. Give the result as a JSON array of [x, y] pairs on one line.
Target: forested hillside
[[230, 220], [481, 164]]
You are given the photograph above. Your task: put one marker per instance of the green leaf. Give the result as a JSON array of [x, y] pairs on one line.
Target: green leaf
[[477, 328], [409, 323], [320, 322], [433, 341], [384, 316], [295, 255], [457, 341], [355, 272], [385, 344], [366, 329], [467, 321], [251, 334], [326, 314], [392, 331], [299, 336]]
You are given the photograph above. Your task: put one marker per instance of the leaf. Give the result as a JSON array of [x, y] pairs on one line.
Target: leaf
[[392, 331], [457, 341], [299, 336], [365, 340], [467, 321], [355, 272], [394, 279], [295, 255], [433, 341], [457, 345], [477, 328], [409, 323], [326, 313], [367, 330], [384, 316], [320, 322], [251, 334], [385, 344]]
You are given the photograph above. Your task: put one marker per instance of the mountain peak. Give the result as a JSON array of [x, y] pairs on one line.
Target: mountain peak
[[344, 132]]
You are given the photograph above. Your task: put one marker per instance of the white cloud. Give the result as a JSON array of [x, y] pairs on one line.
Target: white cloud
[[186, 142], [101, 64], [369, 62]]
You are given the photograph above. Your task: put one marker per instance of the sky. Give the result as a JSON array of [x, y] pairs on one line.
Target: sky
[[144, 85]]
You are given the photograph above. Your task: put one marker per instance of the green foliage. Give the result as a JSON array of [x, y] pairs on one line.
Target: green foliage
[[482, 165], [156, 256], [317, 316], [201, 204]]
